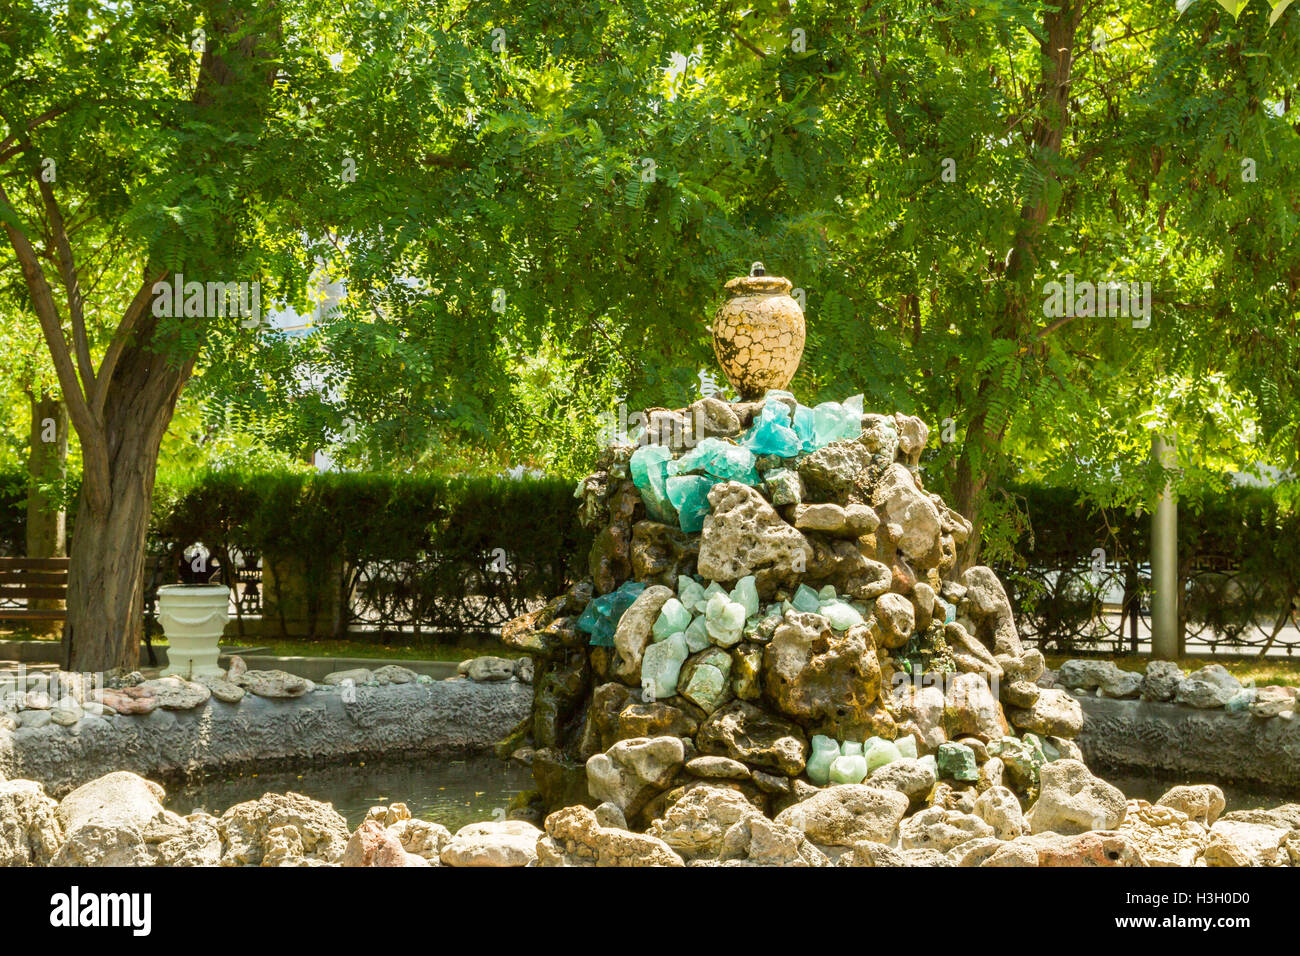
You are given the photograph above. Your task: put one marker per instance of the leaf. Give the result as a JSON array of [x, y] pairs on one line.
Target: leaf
[[1234, 7], [1279, 7]]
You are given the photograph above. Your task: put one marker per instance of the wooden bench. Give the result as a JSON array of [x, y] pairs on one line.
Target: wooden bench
[[33, 579]]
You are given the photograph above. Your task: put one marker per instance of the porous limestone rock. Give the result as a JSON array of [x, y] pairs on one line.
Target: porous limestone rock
[[1071, 800], [822, 677], [1211, 686], [986, 604], [248, 831], [495, 843], [30, 831], [754, 737], [575, 837], [901, 504], [633, 771], [1094, 848], [744, 535], [695, 825], [935, 828], [634, 633], [273, 683], [998, 807], [754, 840], [1161, 680], [1164, 836], [373, 845], [847, 814], [1055, 713], [1201, 803]]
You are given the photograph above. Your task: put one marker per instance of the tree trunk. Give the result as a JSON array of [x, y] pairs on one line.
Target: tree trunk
[[975, 471], [47, 464], [106, 574]]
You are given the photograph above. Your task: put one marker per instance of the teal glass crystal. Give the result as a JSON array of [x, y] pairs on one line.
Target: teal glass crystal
[[689, 494], [833, 421], [601, 615], [721, 459], [649, 470], [805, 428], [772, 433]]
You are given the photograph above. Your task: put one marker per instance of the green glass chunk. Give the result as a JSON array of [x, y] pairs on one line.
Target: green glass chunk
[[882, 753], [957, 761], [805, 599], [672, 619], [697, 635], [745, 593], [661, 665], [689, 494], [841, 615], [824, 751], [691, 593], [848, 769], [724, 620]]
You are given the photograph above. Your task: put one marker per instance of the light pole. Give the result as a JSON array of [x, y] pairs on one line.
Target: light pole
[[1164, 558]]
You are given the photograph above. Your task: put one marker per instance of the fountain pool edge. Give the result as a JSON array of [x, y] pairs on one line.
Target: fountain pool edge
[[455, 717], [1174, 738]]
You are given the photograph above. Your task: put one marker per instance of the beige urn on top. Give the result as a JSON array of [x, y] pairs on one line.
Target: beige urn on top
[[758, 333]]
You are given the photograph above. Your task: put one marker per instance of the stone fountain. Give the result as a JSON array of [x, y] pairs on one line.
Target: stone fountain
[[774, 605]]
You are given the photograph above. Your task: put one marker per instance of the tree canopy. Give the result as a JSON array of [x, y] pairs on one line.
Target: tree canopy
[[531, 208]]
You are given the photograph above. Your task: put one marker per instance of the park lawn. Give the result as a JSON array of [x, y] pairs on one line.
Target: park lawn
[[1283, 671], [412, 651]]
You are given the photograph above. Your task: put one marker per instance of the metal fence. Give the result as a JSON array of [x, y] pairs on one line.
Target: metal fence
[[431, 595], [1076, 606]]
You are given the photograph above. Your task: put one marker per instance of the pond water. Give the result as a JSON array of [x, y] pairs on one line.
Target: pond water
[[1140, 785], [457, 792], [450, 792]]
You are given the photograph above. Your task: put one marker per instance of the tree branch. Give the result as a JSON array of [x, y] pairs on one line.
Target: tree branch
[[94, 447], [68, 270], [120, 337]]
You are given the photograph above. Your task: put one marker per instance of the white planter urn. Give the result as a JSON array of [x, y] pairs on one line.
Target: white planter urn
[[193, 617]]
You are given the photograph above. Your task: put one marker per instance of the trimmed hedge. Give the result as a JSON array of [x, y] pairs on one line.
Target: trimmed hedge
[[438, 536]]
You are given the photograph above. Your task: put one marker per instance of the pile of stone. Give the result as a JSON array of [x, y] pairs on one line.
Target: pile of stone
[[773, 607], [121, 820], [1209, 688]]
